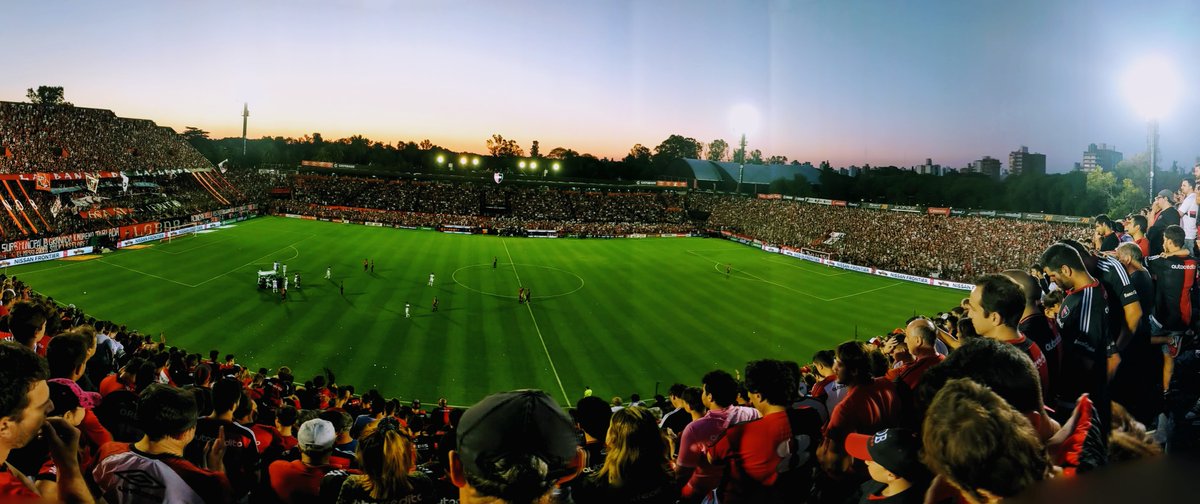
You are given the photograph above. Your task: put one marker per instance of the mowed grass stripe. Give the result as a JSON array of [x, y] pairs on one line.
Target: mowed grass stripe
[[649, 311]]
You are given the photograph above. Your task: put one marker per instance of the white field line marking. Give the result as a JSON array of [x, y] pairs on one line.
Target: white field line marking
[[269, 254], [799, 264], [184, 251], [864, 292], [537, 328], [140, 272]]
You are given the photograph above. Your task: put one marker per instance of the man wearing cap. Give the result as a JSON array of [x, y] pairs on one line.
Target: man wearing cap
[[894, 464], [24, 402], [153, 469], [300, 480], [1162, 215], [514, 448]]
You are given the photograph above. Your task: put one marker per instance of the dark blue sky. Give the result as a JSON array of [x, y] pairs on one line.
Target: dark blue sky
[[880, 82]]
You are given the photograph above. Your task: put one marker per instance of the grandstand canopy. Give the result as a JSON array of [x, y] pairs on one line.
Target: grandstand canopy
[[726, 173]]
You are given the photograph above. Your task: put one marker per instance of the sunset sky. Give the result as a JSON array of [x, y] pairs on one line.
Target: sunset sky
[[857, 81]]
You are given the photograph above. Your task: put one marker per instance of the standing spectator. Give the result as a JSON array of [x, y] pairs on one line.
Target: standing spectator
[[1175, 275], [1162, 215], [871, 404], [1187, 214], [27, 323], [1083, 323], [827, 388], [1105, 239], [920, 336], [718, 392], [996, 306], [593, 416], [24, 402], [978, 443], [759, 453], [514, 448], [167, 415], [676, 419], [299, 481], [1137, 228], [241, 452], [1136, 384], [1036, 326]]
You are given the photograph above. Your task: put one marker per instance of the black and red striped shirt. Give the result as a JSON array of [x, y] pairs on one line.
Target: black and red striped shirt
[[1175, 290]]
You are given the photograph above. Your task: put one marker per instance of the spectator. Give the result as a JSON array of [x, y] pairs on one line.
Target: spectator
[[344, 448], [1036, 326], [760, 453], [167, 415], [920, 338], [676, 419], [893, 461], [514, 448], [996, 307], [636, 469], [978, 443], [299, 481], [240, 454], [24, 402], [388, 460], [1162, 216], [718, 392], [592, 417]]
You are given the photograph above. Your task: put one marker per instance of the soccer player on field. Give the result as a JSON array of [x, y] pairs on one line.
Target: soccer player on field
[[435, 303], [364, 265], [407, 310], [297, 280], [328, 272], [431, 279], [493, 262]]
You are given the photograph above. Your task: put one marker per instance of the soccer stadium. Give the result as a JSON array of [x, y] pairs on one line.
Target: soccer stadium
[[195, 319]]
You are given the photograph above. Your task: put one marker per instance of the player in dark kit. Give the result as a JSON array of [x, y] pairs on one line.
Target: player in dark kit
[[364, 265], [1083, 321], [435, 303], [342, 288], [493, 262], [1175, 276]]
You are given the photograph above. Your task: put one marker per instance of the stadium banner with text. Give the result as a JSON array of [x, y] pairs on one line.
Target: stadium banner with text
[[874, 206], [647, 182], [938, 211], [104, 213], [772, 196], [635, 235], [798, 254], [671, 183], [138, 230], [818, 201], [770, 248], [38, 246], [840, 203], [140, 240], [45, 257], [317, 164], [904, 208], [673, 235], [541, 233], [848, 266], [452, 229]]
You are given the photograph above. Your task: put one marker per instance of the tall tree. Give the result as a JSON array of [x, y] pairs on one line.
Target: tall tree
[[192, 133], [676, 147], [638, 152], [717, 150], [47, 95], [533, 149], [426, 145], [755, 157], [777, 160], [739, 155], [499, 147], [562, 153]]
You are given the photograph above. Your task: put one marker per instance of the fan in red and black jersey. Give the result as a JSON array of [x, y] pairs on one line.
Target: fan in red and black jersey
[[995, 308], [1124, 310], [1040, 328], [241, 452], [1175, 277], [1083, 322]]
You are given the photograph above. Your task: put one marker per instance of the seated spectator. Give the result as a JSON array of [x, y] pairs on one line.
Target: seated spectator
[[514, 448], [344, 448], [920, 338], [979, 444], [167, 415], [636, 469], [592, 416], [893, 461], [871, 404]]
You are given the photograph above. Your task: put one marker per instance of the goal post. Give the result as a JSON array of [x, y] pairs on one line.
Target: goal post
[[817, 253], [177, 231]]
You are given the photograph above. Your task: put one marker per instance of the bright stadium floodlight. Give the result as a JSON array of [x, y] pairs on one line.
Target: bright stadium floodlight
[[441, 159], [462, 161], [533, 164], [475, 161], [555, 166], [521, 164], [1153, 87], [744, 119]]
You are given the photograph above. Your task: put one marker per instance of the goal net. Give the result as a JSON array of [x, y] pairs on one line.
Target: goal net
[[817, 253], [178, 231]]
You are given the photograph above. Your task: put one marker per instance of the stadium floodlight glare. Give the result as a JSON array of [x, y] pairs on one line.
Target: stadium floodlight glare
[[1152, 86], [744, 119], [521, 164], [475, 162], [462, 161], [533, 164], [555, 166], [441, 159]]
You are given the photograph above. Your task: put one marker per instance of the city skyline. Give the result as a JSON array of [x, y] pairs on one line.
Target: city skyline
[[860, 82]]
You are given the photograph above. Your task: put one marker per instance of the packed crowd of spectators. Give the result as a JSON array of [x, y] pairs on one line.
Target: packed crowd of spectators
[[956, 248], [51, 138], [1032, 381]]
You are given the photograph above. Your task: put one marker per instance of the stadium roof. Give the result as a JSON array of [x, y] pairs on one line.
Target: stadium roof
[[714, 171]]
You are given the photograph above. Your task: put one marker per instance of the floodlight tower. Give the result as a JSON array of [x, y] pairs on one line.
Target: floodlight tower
[[245, 118], [1152, 87]]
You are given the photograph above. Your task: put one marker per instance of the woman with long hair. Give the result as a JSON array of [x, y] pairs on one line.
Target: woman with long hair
[[388, 461], [637, 469]]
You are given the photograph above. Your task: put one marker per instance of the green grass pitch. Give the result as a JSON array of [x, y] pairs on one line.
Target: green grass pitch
[[618, 315]]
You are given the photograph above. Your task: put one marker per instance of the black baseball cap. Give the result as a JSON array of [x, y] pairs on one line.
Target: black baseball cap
[[894, 449], [521, 422]]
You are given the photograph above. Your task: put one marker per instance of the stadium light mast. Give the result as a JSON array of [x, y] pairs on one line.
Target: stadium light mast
[[741, 163], [1152, 86], [245, 119]]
